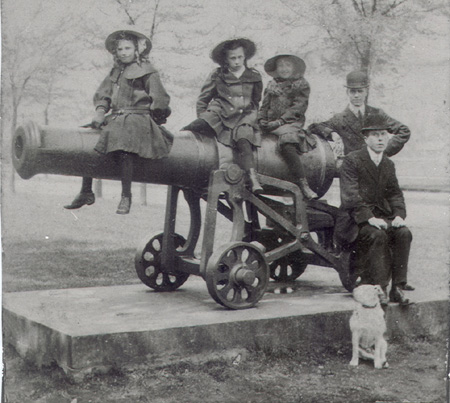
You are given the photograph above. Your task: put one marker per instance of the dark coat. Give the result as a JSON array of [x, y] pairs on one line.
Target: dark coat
[[367, 191], [226, 102], [287, 101], [348, 126], [137, 90]]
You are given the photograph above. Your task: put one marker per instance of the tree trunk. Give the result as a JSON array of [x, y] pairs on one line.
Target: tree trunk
[[98, 188], [143, 188]]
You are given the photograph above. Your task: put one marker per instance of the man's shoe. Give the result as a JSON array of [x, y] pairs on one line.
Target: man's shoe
[[80, 200], [407, 287], [124, 205], [396, 295], [384, 300]]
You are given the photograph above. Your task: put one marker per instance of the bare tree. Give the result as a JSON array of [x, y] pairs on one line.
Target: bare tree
[[365, 34], [26, 54]]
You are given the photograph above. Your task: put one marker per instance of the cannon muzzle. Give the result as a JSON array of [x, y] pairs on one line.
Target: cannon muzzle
[[51, 150]]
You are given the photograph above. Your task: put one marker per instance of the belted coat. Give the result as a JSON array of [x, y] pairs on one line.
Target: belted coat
[[131, 93], [366, 191], [286, 101], [227, 102], [348, 127]]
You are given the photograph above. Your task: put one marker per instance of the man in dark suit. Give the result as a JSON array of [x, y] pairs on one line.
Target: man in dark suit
[[348, 124], [376, 212]]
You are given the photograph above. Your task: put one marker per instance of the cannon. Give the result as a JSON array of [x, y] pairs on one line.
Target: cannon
[[237, 272]]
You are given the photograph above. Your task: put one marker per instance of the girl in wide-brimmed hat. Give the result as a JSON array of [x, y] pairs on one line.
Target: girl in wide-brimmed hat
[[137, 101], [283, 113], [227, 106]]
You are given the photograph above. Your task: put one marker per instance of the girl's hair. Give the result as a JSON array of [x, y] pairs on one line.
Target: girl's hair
[[233, 45], [127, 37]]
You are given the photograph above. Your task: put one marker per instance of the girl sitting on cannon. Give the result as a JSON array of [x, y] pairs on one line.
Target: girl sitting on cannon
[[137, 101], [283, 113], [227, 106]]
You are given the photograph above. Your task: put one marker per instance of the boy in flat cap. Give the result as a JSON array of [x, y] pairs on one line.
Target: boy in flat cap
[[376, 212]]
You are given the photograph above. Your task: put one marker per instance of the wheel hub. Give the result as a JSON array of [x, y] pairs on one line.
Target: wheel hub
[[243, 275]]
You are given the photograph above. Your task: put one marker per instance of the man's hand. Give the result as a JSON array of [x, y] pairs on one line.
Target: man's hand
[[274, 125], [398, 222], [378, 223]]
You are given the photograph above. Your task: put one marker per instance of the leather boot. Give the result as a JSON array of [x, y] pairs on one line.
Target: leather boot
[[396, 295], [80, 200], [407, 287], [306, 190], [254, 183], [124, 205]]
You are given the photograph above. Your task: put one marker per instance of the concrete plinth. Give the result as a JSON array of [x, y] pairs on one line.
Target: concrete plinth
[[96, 327]]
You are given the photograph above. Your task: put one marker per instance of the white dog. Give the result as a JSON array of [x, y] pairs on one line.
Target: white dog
[[368, 327]]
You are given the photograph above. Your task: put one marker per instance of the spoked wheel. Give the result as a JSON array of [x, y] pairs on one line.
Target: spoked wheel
[[237, 275], [289, 267], [149, 269], [347, 272]]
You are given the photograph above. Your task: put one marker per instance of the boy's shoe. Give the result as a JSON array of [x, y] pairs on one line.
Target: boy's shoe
[[407, 287], [306, 190], [124, 205], [80, 200], [254, 183]]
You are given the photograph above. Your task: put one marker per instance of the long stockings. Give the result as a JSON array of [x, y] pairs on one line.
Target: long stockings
[[290, 155], [126, 161], [126, 171], [86, 185], [245, 154]]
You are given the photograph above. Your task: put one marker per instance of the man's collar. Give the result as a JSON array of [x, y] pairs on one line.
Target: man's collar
[[376, 158], [355, 110]]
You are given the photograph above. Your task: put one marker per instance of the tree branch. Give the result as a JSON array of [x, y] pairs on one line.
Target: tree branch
[[363, 10], [393, 6], [132, 21], [356, 7]]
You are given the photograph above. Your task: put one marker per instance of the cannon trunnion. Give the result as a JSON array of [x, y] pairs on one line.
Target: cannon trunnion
[[237, 272]]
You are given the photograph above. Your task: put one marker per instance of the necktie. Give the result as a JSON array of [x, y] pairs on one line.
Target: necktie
[[360, 117]]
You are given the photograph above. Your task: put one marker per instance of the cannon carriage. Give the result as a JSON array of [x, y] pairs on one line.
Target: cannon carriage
[[238, 271]]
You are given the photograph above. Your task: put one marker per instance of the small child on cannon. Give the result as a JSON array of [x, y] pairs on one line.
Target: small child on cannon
[[227, 106], [137, 101], [283, 113]]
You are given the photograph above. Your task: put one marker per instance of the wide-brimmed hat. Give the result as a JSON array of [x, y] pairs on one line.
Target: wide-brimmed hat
[[374, 122], [270, 66], [218, 53], [357, 79], [144, 43]]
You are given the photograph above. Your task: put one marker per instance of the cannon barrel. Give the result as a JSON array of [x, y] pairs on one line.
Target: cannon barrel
[[51, 150]]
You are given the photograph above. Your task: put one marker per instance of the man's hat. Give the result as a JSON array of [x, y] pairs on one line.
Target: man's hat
[[357, 79], [144, 43], [218, 53], [374, 122], [270, 66]]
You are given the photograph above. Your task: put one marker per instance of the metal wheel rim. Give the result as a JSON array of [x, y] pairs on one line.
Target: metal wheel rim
[[148, 265], [222, 273], [288, 268]]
